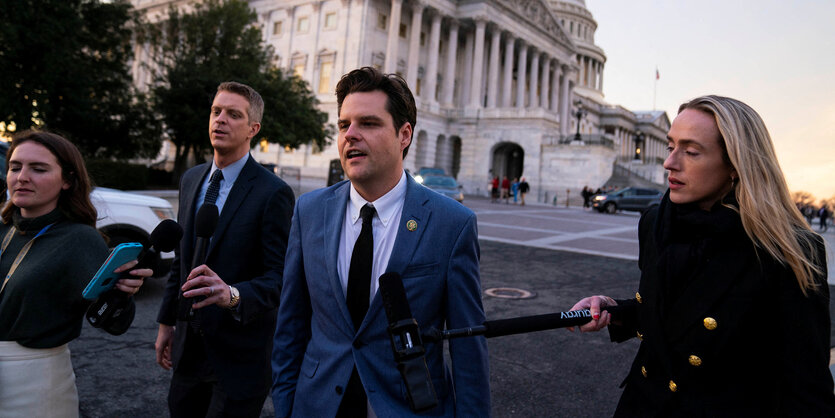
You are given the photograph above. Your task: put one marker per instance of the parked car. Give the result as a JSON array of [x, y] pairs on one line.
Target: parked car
[[630, 198], [123, 216], [444, 185], [428, 171]]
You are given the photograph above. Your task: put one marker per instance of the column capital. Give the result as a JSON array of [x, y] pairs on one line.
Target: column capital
[[416, 5], [481, 19], [317, 5]]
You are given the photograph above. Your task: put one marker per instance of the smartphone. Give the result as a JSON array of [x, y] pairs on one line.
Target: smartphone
[[105, 278]]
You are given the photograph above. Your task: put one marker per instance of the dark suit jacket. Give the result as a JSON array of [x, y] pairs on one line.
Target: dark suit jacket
[[766, 352], [247, 251], [316, 345]]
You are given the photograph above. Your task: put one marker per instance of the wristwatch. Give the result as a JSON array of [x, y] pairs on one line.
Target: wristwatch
[[234, 297]]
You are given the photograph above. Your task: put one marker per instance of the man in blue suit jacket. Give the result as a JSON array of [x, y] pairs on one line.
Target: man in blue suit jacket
[[221, 352], [329, 362]]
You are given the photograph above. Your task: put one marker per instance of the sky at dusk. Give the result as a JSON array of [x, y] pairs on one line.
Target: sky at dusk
[[776, 56]]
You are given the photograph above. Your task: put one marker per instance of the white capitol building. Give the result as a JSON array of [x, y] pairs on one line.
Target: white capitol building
[[497, 83]]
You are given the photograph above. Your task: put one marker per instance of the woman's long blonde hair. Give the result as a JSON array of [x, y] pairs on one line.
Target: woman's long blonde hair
[[769, 215]]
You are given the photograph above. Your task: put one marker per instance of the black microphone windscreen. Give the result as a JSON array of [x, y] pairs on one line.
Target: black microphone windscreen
[[166, 236], [206, 221], [394, 298]]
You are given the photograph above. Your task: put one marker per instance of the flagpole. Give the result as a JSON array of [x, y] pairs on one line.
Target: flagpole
[[655, 88]]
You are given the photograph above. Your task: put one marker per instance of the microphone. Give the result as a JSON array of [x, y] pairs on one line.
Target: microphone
[[111, 304], [204, 227], [406, 343], [520, 325]]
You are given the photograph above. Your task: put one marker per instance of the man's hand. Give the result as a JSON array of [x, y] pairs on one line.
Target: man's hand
[[131, 286], [202, 281], [165, 336]]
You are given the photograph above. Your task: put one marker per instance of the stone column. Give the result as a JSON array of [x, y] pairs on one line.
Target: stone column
[[545, 83], [507, 82], [493, 72], [534, 97], [464, 100], [449, 72], [521, 69], [601, 76], [478, 63], [555, 88], [433, 51], [393, 36], [414, 45], [564, 100]]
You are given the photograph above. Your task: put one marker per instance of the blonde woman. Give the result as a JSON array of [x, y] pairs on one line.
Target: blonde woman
[[733, 306]]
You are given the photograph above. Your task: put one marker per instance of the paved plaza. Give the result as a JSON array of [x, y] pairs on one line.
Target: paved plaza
[[557, 254]]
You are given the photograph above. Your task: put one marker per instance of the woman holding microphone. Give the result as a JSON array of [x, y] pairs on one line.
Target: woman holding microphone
[[732, 309], [50, 250]]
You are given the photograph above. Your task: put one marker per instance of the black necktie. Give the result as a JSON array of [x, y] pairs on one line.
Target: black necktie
[[214, 188], [359, 274], [354, 402]]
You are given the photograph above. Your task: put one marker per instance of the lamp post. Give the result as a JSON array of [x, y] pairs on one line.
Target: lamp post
[[579, 114], [639, 141]]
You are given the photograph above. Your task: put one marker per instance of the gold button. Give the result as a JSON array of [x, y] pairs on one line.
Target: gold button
[[638, 296], [640, 336], [673, 386], [644, 371], [710, 323], [695, 361]]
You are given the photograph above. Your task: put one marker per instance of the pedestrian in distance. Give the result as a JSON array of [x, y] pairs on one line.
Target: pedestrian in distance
[[217, 317], [505, 189], [50, 251], [823, 215], [494, 190], [732, 309], [586, 194], [514, 189], [332, 354], [524, 188]]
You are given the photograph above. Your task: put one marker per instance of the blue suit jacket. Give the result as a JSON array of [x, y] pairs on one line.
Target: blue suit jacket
[[316, 346], [247, 251]]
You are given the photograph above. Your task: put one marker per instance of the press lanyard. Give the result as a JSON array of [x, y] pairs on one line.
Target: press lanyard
[[21, 254]]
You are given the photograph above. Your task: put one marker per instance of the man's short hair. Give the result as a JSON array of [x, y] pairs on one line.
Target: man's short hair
[[256, 103], [400, 103]]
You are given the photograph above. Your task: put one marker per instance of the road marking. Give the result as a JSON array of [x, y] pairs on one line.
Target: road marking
[[561, 248]]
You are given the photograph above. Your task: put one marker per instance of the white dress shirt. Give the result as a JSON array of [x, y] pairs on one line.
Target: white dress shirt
[[384, 225]]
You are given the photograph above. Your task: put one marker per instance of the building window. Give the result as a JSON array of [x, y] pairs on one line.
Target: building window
[[303, 24], [403, 30], [298, 70], [382, 21], [264, 145], [325, 73], [330, 20], [277, 26], [571, 27], [423, 39]]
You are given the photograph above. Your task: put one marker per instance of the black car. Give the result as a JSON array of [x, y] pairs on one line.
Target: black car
[[630, 198]]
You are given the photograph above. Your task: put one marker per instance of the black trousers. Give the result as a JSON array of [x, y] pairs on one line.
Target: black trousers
[[196, 392]]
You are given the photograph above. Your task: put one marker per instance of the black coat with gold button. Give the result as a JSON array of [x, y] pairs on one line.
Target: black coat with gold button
[[725, 329]]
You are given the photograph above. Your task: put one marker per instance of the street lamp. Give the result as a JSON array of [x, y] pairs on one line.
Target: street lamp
[[579, 113], [639, 141]]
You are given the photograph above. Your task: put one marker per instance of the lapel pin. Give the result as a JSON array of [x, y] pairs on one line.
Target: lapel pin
[[411, 225]]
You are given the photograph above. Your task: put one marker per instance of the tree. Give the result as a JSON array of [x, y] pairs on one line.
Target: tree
[[64, 67], [217, 42]]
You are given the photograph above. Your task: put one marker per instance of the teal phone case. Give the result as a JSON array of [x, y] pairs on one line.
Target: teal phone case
[[105, 278]]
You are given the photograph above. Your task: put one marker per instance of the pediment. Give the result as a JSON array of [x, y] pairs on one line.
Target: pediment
[[540, 15]]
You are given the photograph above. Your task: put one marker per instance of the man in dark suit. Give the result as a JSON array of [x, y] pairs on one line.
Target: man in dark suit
[[220, 346], [332, 355]]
